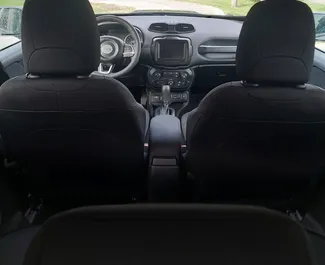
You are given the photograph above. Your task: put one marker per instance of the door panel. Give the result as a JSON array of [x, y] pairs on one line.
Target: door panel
[[11, 59], [318, 72]]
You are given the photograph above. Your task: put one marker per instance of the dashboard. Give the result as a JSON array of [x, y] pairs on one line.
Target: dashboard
[[211, 40], [180, 51]]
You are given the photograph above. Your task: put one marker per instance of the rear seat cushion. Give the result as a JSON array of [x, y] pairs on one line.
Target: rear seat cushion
[[13, 246], [171, 234]]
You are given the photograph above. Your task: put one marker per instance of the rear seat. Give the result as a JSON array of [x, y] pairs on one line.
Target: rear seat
[[169, 234], [14, 246]]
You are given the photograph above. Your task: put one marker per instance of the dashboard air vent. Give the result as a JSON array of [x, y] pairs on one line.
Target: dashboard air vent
[[158, 27], [184, 28]]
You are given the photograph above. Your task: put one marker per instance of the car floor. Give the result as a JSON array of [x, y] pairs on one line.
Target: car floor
[[11, 216]]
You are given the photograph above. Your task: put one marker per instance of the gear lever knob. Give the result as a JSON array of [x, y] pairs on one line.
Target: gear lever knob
[[165, 90]]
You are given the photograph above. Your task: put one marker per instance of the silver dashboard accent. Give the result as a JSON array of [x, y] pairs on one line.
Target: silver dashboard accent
[[218, 49], [101, 68]]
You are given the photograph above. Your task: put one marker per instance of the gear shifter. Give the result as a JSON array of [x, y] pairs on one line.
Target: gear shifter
[[165, 91]]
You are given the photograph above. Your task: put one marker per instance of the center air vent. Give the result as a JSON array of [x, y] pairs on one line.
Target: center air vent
[[184, 28], [159, 27], [171, 28]]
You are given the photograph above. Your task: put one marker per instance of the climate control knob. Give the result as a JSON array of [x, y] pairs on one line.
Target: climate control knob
[[157, 75], [171, 83]]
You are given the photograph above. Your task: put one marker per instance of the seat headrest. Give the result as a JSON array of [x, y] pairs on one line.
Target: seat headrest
[[60, 37], [276, 43]]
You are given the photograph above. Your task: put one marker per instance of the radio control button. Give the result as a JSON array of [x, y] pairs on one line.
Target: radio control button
[[167, 74], [171, 82], [184, 75], [183, 83], [178, 84]]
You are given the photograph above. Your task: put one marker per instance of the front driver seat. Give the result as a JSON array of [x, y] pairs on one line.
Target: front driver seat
[[262, 140], [71, 133]]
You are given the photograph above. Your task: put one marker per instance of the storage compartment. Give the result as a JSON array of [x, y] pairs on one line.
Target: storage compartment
[[164, 159]]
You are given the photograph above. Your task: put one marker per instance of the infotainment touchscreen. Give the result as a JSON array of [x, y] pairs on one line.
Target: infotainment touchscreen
[[171, 51]]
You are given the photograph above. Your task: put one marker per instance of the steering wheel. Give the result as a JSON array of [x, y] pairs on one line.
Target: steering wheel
[[114, 50]]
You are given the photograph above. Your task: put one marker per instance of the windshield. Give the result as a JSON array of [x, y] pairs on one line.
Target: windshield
[[10, 12]]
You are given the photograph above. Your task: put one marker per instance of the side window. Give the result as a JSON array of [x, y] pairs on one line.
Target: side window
[[10, 21], [15, 21], [4, 16], [320, 24], [320, 30]]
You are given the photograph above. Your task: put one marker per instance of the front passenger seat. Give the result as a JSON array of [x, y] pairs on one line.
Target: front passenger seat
[[71, 133], [262, 140]]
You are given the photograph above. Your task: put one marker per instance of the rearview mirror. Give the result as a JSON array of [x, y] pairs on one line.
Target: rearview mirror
[[10, 21]]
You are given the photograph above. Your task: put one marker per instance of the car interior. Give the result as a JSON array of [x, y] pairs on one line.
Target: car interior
[[200, 139]]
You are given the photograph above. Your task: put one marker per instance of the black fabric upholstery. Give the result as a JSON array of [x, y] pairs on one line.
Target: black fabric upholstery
[[13, 246], [276, 43], [255, 143], [170, 234], [71, 133], [58, 40], [262, 143], [318, 242]]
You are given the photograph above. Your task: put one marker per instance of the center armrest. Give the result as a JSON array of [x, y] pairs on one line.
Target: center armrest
[[165, 136], [164, 158]]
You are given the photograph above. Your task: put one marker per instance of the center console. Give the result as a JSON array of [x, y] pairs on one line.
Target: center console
[[168, 92], [168, 85], [178, 93], [176, 79], [164, 159]]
